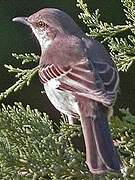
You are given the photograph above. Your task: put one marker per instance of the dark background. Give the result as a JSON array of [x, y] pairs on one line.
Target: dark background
[[18, 38]]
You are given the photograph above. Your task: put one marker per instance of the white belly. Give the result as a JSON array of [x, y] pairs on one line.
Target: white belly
[[63, 101]]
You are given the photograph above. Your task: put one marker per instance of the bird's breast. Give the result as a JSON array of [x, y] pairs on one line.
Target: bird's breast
[[63, 101]]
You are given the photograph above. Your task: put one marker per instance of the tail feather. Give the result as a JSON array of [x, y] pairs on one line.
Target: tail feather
[[101, 155]]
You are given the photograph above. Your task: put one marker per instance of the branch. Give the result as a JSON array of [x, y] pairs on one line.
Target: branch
[[123, 52], [30, 147], [98, 28], [123, 49], [26, 58], [129, 10], [24, 76]]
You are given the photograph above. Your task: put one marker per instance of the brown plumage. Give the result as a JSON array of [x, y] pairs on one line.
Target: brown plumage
[[81, 81]]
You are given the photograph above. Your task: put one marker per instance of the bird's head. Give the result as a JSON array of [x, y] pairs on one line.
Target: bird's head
[[49, 23]]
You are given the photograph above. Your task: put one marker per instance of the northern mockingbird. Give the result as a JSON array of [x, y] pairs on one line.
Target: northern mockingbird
[[80, 79]]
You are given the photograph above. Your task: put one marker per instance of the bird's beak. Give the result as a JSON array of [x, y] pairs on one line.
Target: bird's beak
[[23, 20]]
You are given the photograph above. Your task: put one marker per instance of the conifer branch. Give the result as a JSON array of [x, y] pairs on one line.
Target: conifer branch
[[129, 11], [30, 147], [24, 76], [96, 27], [123, 52], [122, 49], [26, 58]]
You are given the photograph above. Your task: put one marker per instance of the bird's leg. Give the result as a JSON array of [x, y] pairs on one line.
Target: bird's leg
[[71, 120], [95, 177], [109, 112]]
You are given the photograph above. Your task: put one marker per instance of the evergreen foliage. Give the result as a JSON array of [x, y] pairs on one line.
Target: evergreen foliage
[[122, 49], [32, 147], [24, 76]]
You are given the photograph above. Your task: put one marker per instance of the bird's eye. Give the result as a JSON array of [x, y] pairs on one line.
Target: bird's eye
[[41, 24]]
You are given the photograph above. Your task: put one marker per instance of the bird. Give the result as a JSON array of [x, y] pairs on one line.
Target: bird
[[80, 80]]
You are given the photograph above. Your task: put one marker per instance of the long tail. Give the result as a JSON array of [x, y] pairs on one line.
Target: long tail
[[101, 155]]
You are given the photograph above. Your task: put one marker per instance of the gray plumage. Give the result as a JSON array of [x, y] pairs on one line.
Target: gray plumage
[[80, 80]]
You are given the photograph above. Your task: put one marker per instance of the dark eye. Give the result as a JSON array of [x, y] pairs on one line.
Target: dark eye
[[42, 24]]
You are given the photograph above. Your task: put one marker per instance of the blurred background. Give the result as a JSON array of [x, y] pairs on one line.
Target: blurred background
[[19, 39]]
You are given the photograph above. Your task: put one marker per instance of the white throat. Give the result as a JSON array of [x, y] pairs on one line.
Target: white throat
[[44, 41], [45, 44]]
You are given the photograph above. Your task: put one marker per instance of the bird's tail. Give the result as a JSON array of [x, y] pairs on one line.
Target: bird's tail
[[101, 154]]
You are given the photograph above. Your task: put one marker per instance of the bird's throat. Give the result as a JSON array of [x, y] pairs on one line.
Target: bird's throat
[[45, 44]]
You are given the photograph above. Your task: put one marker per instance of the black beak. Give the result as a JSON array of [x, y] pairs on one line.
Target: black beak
[[23, 20]]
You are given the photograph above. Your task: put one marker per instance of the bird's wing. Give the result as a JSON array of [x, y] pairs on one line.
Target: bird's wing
[[51, 71], [109, 76], [83, 80], [80, 79], [103, 64]]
